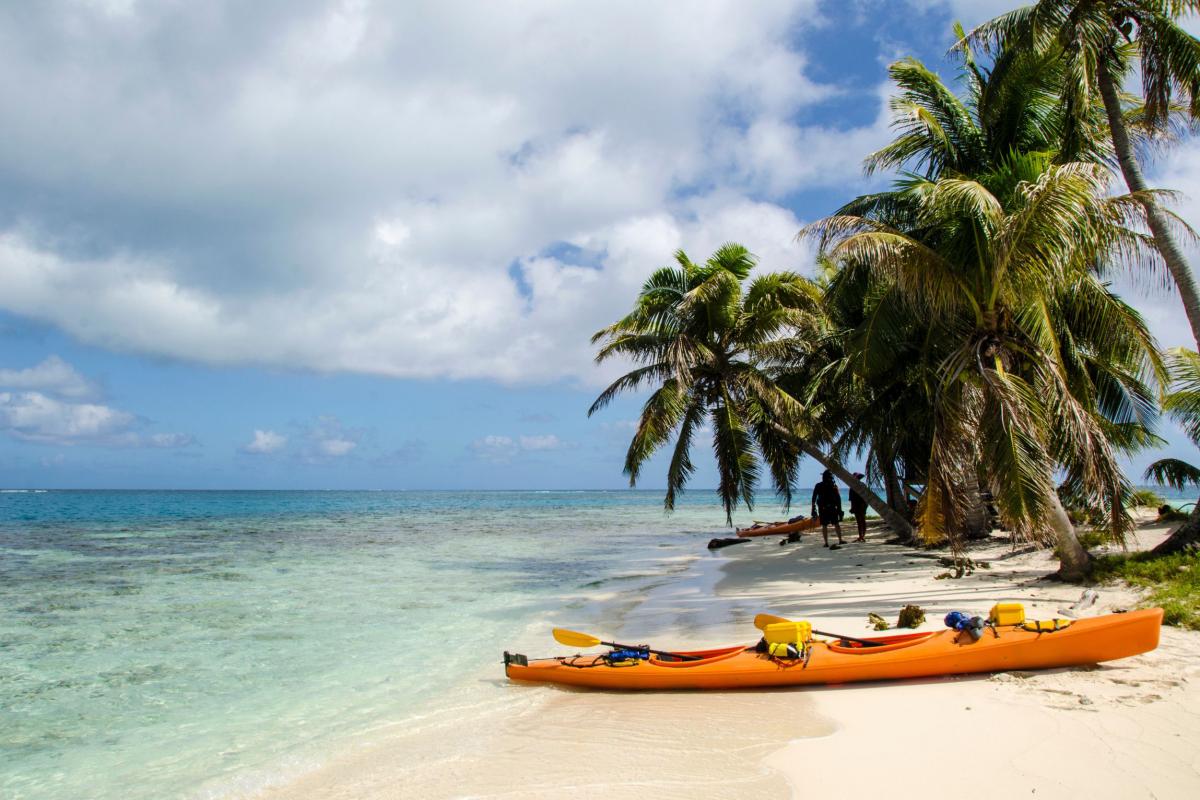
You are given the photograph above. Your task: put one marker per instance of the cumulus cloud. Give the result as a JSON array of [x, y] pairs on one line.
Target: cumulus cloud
[[336, 447], [44, 403], [502, 449], [168, 440], [36, 417], [773, 156], [494, 448], [327, 439], [53, 375], [544, 442], [386, 188], [265, 442], [322, 440]]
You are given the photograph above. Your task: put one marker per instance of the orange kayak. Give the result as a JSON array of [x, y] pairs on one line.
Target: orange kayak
[[783, 527], [912, 655]]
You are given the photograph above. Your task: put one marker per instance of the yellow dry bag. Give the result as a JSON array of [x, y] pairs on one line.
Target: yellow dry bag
[[785, 650], [1007, 614], [788, 632]]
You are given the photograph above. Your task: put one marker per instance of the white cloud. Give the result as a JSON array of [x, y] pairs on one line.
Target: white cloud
[[544, 442], [265, 442], [336, 447], [497, 449], [320, 441], [36, 417], [53, 376], [168, 440], [502, 449], [773, 156], [328, 438], [346, 186], [55, 408], [403, 320]]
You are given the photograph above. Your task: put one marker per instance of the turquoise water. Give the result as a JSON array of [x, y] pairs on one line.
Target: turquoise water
[[1181, 499], [161, 644], [186, 644]]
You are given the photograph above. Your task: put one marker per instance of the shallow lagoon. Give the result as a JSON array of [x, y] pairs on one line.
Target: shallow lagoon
[[169, 644]]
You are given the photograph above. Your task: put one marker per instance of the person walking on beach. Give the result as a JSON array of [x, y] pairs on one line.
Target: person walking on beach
[[858, 510], [827, 505]]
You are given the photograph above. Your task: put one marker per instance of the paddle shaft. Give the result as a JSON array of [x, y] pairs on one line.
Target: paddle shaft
[[680, 656]]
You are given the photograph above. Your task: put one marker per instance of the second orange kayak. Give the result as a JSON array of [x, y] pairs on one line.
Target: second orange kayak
[[783, 527]]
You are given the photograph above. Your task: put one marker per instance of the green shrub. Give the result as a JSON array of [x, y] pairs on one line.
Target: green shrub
[[1145, 497], [1173, 581]]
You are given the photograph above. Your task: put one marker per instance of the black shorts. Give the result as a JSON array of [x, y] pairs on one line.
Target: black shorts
[[829, 516]]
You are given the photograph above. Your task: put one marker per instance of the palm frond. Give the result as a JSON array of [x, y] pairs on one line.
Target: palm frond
[[736, 462], [1173, 472], [629, 382], [681, 466], [660, 415], [1170, 66]]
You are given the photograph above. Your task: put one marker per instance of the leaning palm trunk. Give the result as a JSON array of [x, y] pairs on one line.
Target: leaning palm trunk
[[891, 486], [1156, 218], [1184, 537], [895, 491], [975, 515], [1074, 561], [897, 523]]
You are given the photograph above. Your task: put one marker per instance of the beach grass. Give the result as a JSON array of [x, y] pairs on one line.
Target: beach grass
[[1174, 581]]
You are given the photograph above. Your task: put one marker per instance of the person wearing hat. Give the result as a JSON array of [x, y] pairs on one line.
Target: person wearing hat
[[827, 505], [858, 509]]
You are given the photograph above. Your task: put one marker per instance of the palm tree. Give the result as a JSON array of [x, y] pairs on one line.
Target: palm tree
[[709, 346], [1007, 129], [1098, 42], [984, 266]]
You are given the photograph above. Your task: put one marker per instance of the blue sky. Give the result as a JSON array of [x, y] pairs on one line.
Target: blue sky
[[363, 244]]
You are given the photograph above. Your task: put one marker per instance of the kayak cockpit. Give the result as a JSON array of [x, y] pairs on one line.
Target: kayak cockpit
[[705, 657], [887, 644]]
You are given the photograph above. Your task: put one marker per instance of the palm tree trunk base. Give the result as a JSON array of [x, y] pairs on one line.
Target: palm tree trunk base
[[1073, 575]]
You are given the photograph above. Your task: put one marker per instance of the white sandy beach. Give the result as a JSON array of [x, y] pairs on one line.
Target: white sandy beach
[[1126, 729]]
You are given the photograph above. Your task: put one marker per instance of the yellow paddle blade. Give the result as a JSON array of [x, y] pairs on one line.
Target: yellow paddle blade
[[763, 620], [574, 638]]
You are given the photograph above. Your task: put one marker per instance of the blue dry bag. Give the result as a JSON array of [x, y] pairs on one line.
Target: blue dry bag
[[960, 621], [956, 620]]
